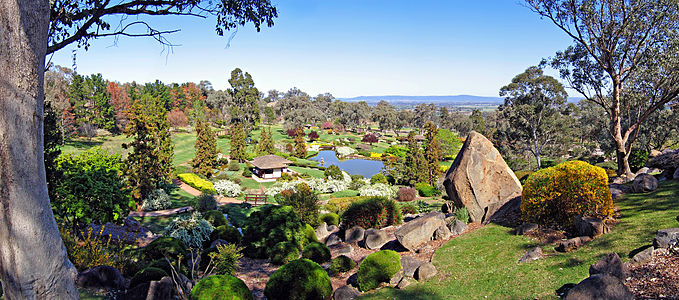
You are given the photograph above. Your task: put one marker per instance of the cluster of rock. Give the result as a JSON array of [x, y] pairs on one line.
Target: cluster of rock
[[109, 278], [130, 232]]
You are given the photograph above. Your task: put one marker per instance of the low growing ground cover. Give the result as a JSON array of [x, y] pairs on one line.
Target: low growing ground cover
[[485, 261]]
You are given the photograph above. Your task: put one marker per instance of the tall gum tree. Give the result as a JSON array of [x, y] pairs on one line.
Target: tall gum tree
[[617, 42], [33, 260]]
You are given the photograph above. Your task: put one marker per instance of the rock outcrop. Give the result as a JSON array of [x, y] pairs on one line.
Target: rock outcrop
[[480, 179], [419, 231], [600, 286], [644, 183]]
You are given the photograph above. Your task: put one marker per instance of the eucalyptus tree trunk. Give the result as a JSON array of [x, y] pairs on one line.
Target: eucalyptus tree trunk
[[33, 259]]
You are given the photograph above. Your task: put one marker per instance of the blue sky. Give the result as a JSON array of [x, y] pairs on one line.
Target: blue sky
[[347, 48]]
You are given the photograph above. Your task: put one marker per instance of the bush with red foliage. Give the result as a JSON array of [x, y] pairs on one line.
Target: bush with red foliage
[[369, 138], [313, 135], [292, 132], [406, 194], [177, 118]]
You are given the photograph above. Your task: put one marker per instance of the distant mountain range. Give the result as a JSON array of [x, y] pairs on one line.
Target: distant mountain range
[[440, 100]]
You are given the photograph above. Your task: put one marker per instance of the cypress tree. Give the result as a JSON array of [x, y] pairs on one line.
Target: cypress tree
[[432, 153], [415, 166], [237, 142], [206, 150], [300, 145], [265, 145]]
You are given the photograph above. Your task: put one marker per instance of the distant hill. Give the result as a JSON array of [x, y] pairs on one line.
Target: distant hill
[[440, 100]]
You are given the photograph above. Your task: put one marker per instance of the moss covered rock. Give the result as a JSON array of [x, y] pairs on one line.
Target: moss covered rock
[[215, 217], [376, 268], [341, 264], [165, 247], [221, 287], [147, 275], [299, 279], [317, 252], [284, 252]]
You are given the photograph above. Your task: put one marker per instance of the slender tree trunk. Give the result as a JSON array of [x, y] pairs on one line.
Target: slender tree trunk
[[620, 149], [33, 259]]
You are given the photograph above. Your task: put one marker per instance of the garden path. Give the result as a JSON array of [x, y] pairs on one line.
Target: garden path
[[189, 189]]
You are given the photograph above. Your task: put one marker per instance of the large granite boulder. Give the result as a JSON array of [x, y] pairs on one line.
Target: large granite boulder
[[375, 238], [644, 183], [666, 238], [480, 179], [600, 286], [611, 265], [101, 277], [419, 231]]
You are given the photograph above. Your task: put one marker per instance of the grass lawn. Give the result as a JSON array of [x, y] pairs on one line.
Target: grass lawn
[[158, 224], [113, 144], [180, 198], [484, 262], [316, 173]]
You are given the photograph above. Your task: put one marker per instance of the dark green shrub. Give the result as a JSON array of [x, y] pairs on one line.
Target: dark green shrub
[[221, 286], [462, 214], [341, 264], [225, 259], [304, 202], [330, 219], [333, 172], [270, 226], [317, 252], [227, 233], [285, 177], [284, 252], [298, 280], [637, 159], [425, 189], [147, 275], [215, 217], [165, 247], [376, 268], [378, 178], [309, 234], [234, 166], [408, 208], [205, 202], [356, 182], [373, 212], [247, 172]]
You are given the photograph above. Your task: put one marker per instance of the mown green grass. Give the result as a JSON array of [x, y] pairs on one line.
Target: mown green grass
[[112, 144], [180, 198], [485, 262], [316, 173]]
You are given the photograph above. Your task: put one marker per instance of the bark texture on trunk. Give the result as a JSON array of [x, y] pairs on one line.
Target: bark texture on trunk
[[33, 259]]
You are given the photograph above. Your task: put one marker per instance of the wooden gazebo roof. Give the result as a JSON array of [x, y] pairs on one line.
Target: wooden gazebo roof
[[270, 162]]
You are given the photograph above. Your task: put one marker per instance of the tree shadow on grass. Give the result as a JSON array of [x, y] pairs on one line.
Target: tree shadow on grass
[[571, 262], [82, 145], [415, 293]]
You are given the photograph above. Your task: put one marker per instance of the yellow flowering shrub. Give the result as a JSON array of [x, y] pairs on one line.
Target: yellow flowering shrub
[[375, 155], [554, 196]]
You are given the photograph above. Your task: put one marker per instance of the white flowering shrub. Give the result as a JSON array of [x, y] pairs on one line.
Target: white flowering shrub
[[192, 230], [227, 188], [327, 186], [158, 199], [344, 151], [378, 189], [280, 186], [314, 147]]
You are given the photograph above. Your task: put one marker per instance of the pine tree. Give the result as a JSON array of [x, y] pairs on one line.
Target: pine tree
[[206, 149], [265, 145], [300, 145], [237, 142], [415, 166], [432, 153], [150, 161]]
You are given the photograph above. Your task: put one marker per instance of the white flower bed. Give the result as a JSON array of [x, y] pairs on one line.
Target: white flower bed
[[327, 186], [344, 151], [378, 189], [280, 186], [227, 188]]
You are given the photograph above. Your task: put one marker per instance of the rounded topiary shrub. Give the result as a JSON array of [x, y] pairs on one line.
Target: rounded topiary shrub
[[299, 279], [227, 233], [376, 268], [373, 212], [147, 275], [205, 202], [221, 287], [309, 235], [330, 219], [555, 196], [165, 247], [341, 264], [378, 178], [215, 217], [317, 252], [425, 189], [269, 226], [284, 252]]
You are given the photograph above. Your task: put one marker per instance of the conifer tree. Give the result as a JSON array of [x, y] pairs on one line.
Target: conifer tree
[[300, 145], [265, 145], [432, 153], [150, 161], [206, 149], [237, 142], [415, 166]]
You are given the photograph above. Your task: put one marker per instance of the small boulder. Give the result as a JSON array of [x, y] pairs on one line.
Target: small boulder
[[419, 231], [611, 265], [322, 231], [531, 255], [526, 228], [600, 286], [354, 234], [332, 228], [403, 283], [644, 183], [569, 245], [588, 226], [101, 277], [218, 242], [458, 227], [375, 238], [160, 290], [442, 233], [410, 265], [346, 292], [345, 250], [333, 239], [666, 238], [397, 278], [425, 271], [643, 256]]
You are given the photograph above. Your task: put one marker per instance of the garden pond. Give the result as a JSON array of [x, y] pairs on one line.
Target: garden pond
[[364, 167]]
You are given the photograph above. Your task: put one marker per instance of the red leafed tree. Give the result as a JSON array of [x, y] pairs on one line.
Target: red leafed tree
[[313, 135], [177, 118], [291, 132], [369, 138], [120, 102]]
